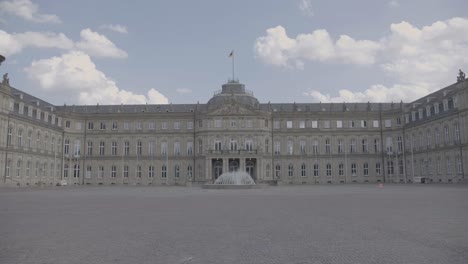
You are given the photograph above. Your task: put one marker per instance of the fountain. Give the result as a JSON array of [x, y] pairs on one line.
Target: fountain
[[233, 180]]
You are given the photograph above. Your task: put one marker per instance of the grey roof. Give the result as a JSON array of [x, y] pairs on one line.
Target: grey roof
[[144, 108], [27, 98]]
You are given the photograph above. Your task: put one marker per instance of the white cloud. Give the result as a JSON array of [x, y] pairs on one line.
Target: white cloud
[[28, 11], [376, 93], [420, 60], [183, 90], [75, 76], [117, 28], [306, 7], [98, 45], [14, 43], [91, 42], [394, 4], [278, 49]]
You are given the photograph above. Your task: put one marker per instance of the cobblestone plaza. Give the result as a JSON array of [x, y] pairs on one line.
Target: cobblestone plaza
[[352, 223]]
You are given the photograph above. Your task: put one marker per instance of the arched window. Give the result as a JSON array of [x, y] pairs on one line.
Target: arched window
[[189, 172], [164, 172], [176, 171], [303, 170], [341, 169], [290, 170], [316, 170], [366, 169], [277, 171], [329, 170], [353, 169]]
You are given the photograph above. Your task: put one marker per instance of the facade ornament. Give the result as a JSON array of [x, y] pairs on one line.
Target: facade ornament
[[461, 76]]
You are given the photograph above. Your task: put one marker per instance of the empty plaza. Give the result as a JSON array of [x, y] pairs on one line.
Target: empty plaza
[[285, 224]]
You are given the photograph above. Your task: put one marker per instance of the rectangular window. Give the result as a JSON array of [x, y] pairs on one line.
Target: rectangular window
[[90, 148], [164, 148], [233, 145], [388, 123], [363, 123], [176, 148], [126, 148], [139, 148], [353, 169], [277, 148], [151, 148], [289, 124], [316, 170], [190, 125], [315, 146], [151, 126], [340, 146], [290, 147], [150, 172], [276, 124], [326, 124], [177, 125], [113, 171], [114, 126], [249, 123], [101, 172], [138, 126], [314, 123], [126, 125], [114, 148], [375, 123], [101, 148], [341, 169], [352, 146], [103, 126], [365, 148], [339, 124], [302, 124], [189, 148], [248, 145], [10, 135], [88, 172], [138, 171], [125, 172], [164, 172], [217, 123], [302, 144], [164, 125]]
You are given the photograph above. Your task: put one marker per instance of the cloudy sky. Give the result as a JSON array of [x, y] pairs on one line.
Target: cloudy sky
[[176, 51]]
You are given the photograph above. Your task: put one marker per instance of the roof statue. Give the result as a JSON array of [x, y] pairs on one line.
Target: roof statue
[[461, 76], [6, 80]]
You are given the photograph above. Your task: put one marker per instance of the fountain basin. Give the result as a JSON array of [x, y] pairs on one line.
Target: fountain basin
[[231, 186]]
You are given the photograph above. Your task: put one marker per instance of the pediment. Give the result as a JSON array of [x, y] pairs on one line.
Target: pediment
[[232, 108]]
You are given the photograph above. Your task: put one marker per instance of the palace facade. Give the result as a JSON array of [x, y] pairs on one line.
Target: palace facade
[[183, 144]]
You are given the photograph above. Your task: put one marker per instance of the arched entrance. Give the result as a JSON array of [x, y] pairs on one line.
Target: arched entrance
[[233, 165], [217, 166], [250, 165]]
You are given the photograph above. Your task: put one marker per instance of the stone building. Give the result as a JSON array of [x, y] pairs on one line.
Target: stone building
[[183, 144]]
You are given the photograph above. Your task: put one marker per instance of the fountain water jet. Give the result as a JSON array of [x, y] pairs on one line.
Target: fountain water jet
[[233, 180]]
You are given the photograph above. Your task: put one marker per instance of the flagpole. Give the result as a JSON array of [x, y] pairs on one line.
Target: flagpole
[[233, 66]]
